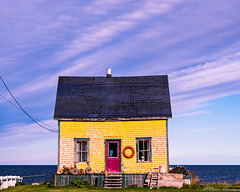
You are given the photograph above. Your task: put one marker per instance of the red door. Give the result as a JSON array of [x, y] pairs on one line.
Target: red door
[[113, 156]]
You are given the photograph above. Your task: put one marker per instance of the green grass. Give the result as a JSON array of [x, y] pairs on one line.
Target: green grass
[[44, 188]]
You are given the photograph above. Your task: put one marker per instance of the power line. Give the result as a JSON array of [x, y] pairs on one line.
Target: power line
[[10, 102], [21, 110], [24, 110]]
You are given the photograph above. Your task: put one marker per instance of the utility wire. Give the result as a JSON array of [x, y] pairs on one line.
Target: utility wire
[[35, 175], [24, 110], [21, 110]]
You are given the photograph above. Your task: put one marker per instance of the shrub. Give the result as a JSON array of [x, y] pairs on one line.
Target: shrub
[[195, 183], [80, 184], [20, 184], [186, 186], [50, 184]]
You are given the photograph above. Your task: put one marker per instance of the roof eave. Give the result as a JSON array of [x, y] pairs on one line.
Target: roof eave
[[113, 119]]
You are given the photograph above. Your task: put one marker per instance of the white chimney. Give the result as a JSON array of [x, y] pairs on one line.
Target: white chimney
[[109, 72]]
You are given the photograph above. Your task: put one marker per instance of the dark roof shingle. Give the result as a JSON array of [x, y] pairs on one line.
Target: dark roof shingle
[[139, 97]]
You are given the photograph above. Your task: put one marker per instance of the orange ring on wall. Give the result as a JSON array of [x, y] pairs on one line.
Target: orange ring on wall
[[124, 152]]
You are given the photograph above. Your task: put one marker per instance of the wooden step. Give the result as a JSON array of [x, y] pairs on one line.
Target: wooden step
[[111, 187], [113, 179], [112, 182], [116, 181], [113, 176]]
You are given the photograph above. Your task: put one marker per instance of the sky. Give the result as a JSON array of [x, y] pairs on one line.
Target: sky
[[196, 43]]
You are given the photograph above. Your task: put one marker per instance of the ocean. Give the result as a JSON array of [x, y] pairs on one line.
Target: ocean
[[206, 173], [216, 173], [30, 173]]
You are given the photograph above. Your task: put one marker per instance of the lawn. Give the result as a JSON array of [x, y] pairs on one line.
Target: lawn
[[44, 188]]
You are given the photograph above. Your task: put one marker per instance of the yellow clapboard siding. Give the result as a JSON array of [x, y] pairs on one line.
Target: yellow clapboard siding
[[127, 131]]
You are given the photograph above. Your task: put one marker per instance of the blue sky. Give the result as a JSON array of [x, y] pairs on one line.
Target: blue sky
[[197, 43]]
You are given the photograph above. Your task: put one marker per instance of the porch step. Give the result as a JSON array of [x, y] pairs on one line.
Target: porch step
[[112, 187], [114, 176], [113, 184], [113, 181]]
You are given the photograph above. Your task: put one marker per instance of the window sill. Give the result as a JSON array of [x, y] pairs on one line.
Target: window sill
[[144, 161]]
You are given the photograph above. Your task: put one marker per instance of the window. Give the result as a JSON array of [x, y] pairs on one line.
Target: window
[[144, 150], [112, 149], [81, 150]]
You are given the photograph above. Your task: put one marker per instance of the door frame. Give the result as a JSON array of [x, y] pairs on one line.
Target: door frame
[[120, 155]]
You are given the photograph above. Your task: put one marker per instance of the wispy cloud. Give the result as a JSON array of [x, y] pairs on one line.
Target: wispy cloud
[[100, 34], [26, 134], [28, 144], [192, 113], [210, 74], [200, 130], [192, 86]]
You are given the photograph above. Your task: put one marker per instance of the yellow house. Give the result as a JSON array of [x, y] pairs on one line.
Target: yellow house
[[118, 124]]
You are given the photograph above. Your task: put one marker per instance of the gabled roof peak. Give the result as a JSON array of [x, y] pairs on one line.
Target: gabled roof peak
[[115, 98]]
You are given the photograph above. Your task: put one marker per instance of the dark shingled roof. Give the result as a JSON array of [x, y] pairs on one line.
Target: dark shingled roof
[[113, 98]]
